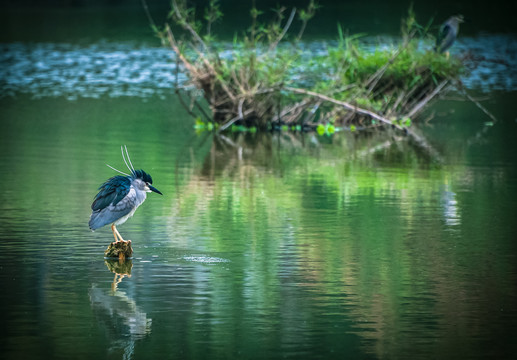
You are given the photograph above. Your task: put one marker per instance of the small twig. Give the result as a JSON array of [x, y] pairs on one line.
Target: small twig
[[148, 14], [237, 82], [290, 109], [230, 122], [312, 112], [184, 23], [214, 73], [410, 93], [302, 30], [284, 31], [428, 98], [228, 141], [172, 42], [241, 102], [397, 102], [295, 115], [374, 79]]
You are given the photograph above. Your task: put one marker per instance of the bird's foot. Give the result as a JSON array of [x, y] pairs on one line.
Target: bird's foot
[[123, 241]]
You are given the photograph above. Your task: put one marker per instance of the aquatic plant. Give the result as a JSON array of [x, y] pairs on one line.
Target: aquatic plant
[[266, 80]]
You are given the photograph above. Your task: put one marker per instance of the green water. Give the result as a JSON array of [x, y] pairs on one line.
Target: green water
[[262, 246]]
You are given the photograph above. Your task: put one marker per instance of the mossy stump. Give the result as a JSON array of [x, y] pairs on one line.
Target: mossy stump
[[119, 250]]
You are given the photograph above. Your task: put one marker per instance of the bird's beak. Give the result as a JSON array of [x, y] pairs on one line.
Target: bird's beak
[[152, 188]]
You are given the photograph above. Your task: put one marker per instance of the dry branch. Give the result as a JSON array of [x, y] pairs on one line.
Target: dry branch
[[185, 24], [428, 98], [284, 31], [346, 105], [174, 45]]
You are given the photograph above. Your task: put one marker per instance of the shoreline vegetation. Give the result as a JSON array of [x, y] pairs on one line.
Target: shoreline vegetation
[[266, 81]]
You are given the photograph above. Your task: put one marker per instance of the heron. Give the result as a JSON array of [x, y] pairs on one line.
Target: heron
[[119, 197], [448, 33]]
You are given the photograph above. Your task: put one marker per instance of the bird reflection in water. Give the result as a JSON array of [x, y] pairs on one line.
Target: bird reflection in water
[[123, 320]]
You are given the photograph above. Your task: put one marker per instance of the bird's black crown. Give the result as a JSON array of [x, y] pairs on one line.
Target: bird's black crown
[[142, 175]]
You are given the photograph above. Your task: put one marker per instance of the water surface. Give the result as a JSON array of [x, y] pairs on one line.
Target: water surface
[[114, 69], [264, 245]]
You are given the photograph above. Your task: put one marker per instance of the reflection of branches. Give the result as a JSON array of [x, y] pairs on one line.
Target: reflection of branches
[[478, 104], [382, 146], [265, 149], [479, 136], [192, 145]]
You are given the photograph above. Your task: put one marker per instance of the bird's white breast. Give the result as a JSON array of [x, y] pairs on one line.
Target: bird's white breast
[[133, 199]]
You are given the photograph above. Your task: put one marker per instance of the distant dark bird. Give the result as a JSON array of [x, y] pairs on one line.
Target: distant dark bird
[[119, 197], [448, 33]]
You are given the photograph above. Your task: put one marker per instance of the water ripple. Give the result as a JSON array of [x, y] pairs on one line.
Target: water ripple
[[493, 62], [93, 71], [125, 69]]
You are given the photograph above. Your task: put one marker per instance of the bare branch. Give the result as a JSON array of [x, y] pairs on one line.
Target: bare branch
[[428, 98], [185, 24], [174, 45], [241, 102], [374, 79], [478, 104], [345, 105], [148, 14], [284, 31], [230, 122]]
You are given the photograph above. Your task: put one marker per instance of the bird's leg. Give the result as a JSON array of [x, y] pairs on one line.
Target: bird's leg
[[117, 235], [120, 236], [114, 233]]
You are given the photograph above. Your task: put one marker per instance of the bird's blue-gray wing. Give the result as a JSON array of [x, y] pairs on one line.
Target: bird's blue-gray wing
[[108, 205], [446, 37], [111, 192]]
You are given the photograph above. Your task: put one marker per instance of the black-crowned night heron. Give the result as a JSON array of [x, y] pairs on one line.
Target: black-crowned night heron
[[119, 197], [448, 33]]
